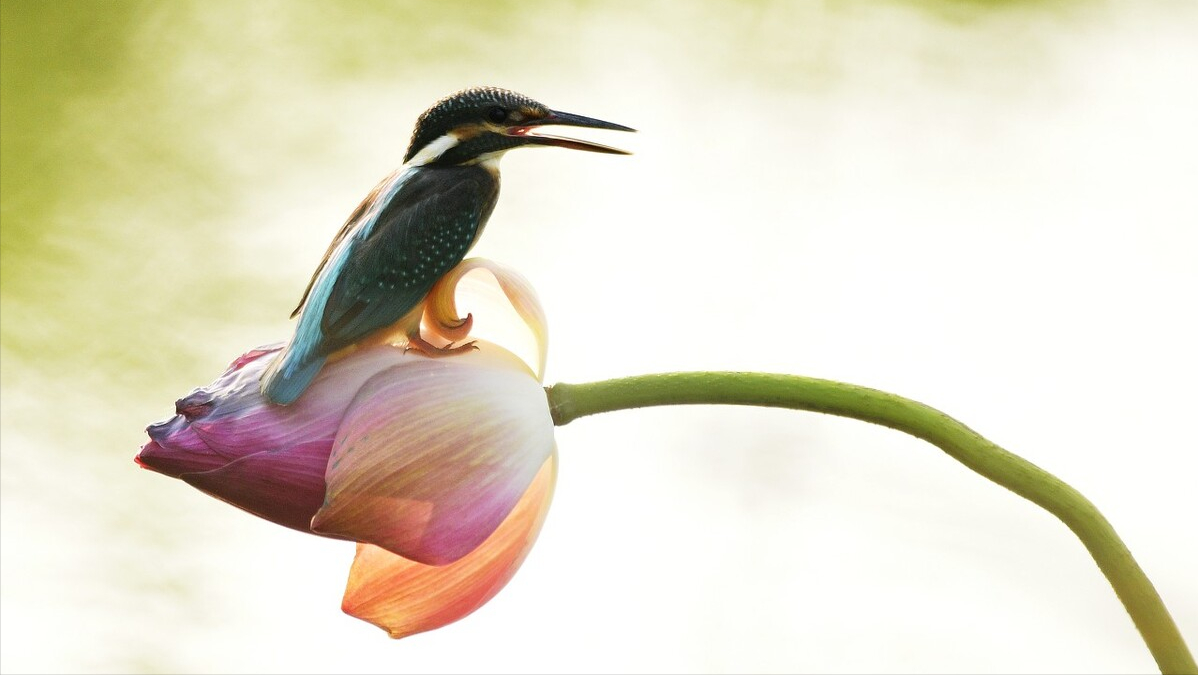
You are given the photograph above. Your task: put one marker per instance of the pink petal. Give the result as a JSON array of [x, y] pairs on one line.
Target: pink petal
[[404, 597], [434, 454]]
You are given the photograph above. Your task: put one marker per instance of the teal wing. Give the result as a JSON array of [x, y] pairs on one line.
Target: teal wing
[[422, 234], [384, 270]]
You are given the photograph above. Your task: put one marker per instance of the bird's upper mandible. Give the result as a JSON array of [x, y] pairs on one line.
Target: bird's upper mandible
[[482, 122]]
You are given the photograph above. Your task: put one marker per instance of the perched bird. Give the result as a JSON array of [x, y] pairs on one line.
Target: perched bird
[[414, 227]]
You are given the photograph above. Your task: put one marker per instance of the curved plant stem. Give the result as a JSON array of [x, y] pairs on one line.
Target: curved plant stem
[[571, 401]]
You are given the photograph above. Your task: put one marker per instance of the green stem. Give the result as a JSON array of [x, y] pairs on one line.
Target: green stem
[[571, 401]]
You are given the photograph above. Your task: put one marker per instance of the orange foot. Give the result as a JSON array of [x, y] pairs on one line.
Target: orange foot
[[419, 344]]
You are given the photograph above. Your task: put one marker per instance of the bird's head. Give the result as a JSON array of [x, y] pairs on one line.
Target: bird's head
[[482, 122]]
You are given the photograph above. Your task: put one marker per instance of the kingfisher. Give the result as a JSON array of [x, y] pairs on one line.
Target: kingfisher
[[415, 226]]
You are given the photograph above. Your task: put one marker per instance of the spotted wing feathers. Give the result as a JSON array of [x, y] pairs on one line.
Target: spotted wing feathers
[[385, 269]]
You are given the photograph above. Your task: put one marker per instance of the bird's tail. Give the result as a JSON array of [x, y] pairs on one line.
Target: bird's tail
[[289, 375]]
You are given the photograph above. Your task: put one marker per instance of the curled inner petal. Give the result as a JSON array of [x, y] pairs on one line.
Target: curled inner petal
[[441, 314], [404, 597], [449, 329]]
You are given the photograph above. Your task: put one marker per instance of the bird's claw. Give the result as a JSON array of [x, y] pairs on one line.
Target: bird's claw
[[419, 344]]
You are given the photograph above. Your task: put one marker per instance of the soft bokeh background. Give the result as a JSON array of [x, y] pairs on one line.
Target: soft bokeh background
[[989, 207]]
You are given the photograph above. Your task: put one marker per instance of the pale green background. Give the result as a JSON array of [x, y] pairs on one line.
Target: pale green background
[[989, 207]]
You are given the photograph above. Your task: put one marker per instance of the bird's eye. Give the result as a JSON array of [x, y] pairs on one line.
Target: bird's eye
[[497, 114]]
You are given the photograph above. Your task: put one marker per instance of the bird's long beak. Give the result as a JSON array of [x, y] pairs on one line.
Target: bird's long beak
[[571, 120]]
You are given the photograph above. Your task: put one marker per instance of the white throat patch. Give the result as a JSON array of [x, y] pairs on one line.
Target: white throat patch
[[433, 151]]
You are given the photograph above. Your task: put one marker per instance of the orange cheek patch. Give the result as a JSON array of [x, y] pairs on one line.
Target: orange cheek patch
[[466, 133]]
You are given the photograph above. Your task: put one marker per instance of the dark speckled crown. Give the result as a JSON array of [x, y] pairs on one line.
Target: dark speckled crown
[[468, 106]]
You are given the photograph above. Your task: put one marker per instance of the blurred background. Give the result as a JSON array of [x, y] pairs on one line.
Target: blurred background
[[989, 207]]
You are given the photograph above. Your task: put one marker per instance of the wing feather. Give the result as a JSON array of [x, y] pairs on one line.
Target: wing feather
[[425, 230], [350, 222]]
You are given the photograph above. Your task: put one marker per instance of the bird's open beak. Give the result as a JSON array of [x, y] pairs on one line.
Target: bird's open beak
[[568, 119]]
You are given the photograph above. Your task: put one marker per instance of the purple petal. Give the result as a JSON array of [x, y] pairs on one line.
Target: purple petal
[[176, 433], [174, 463], [285, 487], [269, 460]]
